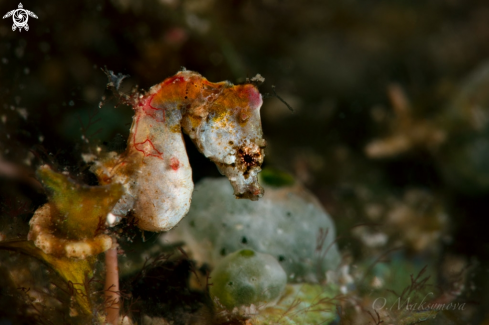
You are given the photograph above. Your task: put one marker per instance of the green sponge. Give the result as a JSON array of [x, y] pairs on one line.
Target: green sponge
[[246, 277]]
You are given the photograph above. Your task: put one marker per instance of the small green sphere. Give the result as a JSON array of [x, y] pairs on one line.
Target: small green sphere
[[247, 277]]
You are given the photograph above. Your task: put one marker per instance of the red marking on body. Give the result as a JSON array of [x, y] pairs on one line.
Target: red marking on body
[[173, 79], [148, 149], [157, 113], [174, 163]]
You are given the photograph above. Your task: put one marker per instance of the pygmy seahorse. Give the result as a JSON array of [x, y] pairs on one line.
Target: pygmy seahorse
[[223, 121]]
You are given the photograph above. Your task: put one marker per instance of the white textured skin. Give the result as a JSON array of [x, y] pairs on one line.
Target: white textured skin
[[214, 139], [219, 139], [163, 194], [160, 189]]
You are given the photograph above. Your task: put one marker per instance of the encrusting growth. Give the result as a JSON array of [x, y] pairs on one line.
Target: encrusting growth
[[70, 224], [223, 121]]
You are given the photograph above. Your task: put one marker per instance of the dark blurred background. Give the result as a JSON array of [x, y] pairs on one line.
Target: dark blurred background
[[343, 66]]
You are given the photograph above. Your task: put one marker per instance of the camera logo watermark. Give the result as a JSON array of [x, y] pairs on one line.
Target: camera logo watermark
[[20, 17]]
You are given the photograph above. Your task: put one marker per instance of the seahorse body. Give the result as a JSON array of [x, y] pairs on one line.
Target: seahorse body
[[223, 121]]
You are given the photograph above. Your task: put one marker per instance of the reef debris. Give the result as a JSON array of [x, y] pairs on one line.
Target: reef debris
[[71, 224]]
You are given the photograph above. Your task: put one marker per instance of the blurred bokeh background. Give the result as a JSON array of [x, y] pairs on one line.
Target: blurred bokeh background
[[390, 116]]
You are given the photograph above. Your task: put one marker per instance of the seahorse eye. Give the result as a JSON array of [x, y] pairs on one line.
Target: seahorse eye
[[248, 158]]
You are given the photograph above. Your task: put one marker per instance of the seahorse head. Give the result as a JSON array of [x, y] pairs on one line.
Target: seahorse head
[[224, 123]]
